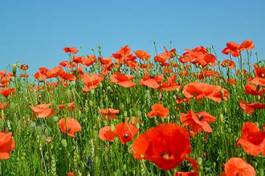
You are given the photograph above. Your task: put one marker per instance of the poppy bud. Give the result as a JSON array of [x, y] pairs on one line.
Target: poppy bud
[[64, 142], [55, 118], [14, 69], [222, 117]]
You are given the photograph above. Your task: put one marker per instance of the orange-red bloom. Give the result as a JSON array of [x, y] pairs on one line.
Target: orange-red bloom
[[238, 167], [54, 72], [198, 55], [232, 48], [200, 90], [208, 73], [7, 145], [249, 108], [109, 113], [89, 60], [158, 110], [124, 55], [142, 54], [252, 140], [163, 57], [7, 91], [41, 74], [152, 81], [170, 84], [91, 81], [70, 126], [42, 110], [254, 89], [70, 50], [155, 82], [106, 134], [69, 106], [122, 79], [125, 131], [197, 122], [259, 71], [246, 45], [258, 81], [70, 174], [228, 63], [186, 174], [166, 145]]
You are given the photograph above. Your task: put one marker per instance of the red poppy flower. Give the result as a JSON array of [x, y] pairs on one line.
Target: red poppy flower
[[41, 75], [70, 174], [109, 113], [125, 132], [106, 134], [42, 110], [232, 48], [249, 108], [158, 110], [254, 89], [24, 67], [54, 72], [89, 60], [228, 63], [259, 71], [67, 64], [182, 100], [198, 55], [246, 45], [208, 73], [197, 122], [5, 78], [237, 166], [252, 140], [166, 145], [258, 81], [186, 174], [163, 57], [91, 81], [142, 54], [7, 145], [170, 84], [77, 59], [7, 91], [122, 79], [231, 81], [106, 65], [70, 126], [70, 106], [67, 76], [152, 81], [70, 50], [200, 90], [124, 55]]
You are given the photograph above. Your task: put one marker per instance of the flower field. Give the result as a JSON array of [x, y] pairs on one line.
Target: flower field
[[136, 113]]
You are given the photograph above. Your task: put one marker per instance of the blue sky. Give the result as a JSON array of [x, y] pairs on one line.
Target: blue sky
[[35, 32]]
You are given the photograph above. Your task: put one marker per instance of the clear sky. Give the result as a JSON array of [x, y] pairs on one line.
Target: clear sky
[[35, 32]]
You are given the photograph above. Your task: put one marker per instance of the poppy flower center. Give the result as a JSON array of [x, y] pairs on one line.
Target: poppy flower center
[[167, 156], [200, 117], [126, 135]]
